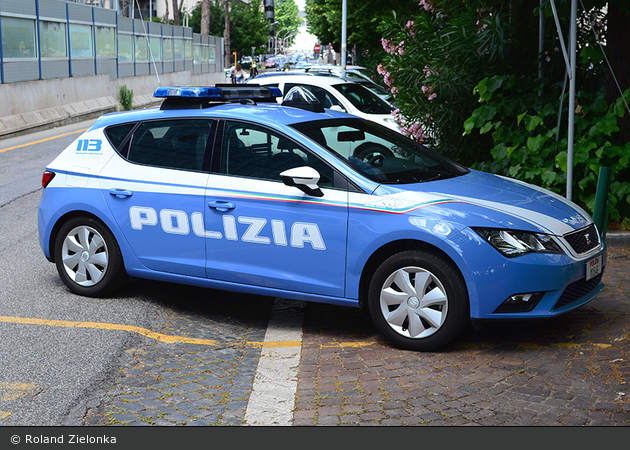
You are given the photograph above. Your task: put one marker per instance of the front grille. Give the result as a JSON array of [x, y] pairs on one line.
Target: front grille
[[583, 240], [577, 290]]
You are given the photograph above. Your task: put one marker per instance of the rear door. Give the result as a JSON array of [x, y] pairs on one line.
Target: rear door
[[156, 193]]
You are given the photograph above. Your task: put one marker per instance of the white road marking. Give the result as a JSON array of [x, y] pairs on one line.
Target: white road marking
[[273, 395]]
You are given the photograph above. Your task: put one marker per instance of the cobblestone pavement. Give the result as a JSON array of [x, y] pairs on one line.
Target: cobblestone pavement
[[572, 370]]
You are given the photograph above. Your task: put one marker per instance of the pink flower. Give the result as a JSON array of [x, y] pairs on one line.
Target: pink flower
[[410, 25], [388, 79], [388, 46], [426, 5], [432, 96]]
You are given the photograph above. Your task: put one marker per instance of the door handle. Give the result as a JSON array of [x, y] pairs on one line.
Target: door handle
[[221, 205], [120, 193]]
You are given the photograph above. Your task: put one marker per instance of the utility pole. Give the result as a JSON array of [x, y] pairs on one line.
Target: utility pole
[[344, 34]]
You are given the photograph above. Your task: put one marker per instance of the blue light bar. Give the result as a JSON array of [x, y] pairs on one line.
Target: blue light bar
[[222, 92], [188, 92]]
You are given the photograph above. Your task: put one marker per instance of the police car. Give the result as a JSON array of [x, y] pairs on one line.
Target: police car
[[223, 187]]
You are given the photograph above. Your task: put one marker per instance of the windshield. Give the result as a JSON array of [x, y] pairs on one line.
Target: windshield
[[363, 99], [378, 153]]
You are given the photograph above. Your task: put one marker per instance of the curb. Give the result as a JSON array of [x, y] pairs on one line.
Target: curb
[[618, 239]]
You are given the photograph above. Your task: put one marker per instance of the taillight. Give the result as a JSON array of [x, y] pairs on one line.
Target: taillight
[[47, 178]]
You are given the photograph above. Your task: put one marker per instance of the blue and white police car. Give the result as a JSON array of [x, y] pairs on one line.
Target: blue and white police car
[[222, 187]]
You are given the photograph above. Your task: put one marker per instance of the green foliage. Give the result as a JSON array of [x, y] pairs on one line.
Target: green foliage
[[125, 96], [530, 144], [287, 15], [434, 59], [217, 18], [248, 24], [324, 21]]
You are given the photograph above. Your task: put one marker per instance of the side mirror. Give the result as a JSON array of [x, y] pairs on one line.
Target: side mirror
[[304, 178]]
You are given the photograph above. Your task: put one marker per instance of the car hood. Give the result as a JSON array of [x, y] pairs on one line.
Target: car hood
[[483, 199]]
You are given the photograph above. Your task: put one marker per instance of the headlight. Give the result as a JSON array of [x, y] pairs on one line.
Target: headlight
[[516, 243]]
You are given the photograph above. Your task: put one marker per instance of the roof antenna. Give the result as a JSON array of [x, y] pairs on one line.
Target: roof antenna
[[146, 33]]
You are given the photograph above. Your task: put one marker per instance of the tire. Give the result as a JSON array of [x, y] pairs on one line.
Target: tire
[[88, 258], [418, 300]]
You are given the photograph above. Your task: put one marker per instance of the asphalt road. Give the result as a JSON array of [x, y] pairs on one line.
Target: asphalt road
[[49, 369]]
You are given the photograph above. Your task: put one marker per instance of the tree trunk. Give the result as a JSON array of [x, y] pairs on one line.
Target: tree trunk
[[226, 34], [205, 17], [617, 44], [175, 13], [166, 13]]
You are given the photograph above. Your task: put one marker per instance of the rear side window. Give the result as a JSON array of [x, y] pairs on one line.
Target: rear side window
[[325, 98], [175, 144], [118, 133]]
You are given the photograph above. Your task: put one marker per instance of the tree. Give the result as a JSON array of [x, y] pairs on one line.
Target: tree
[[287, 16], [215, 18], [324, 19], [226, 32], [205, 17], [176, 8], [249, 27]]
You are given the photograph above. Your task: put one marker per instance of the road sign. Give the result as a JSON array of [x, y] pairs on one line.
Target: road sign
[[317, 47]]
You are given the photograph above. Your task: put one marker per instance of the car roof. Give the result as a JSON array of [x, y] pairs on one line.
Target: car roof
[[270, 114], [322, 81]]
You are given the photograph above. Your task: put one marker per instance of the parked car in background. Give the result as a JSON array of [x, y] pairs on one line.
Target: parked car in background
[[336, 93]]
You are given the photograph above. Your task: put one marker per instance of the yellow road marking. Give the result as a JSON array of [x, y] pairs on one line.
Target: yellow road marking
[[273, 344], [109, 326], [43, 140], [4, 414], [13, 391]]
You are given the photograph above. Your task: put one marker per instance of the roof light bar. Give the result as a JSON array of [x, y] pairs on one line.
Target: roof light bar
[[221, 92]]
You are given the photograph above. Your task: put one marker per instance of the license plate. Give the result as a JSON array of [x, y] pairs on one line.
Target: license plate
[[593, 267]]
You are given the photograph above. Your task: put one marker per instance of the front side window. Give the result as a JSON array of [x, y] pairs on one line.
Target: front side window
[[256, 152], [378, 153], [175, 144]]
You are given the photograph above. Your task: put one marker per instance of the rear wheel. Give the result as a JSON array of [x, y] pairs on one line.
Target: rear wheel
[[418, 300], [88, 258]]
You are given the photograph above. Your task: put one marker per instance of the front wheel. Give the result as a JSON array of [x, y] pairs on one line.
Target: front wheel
[[418, 300], [88, 258]]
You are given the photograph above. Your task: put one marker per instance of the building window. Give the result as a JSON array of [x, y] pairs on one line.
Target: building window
[[125, 48], [178, 49], [141, 50], [18, 38], [53, 40], [168, 49], [105, 41], [155, 42], [81, 41]]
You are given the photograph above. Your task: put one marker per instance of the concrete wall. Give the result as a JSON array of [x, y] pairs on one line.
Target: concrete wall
[[34, 105], [27, 96]]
